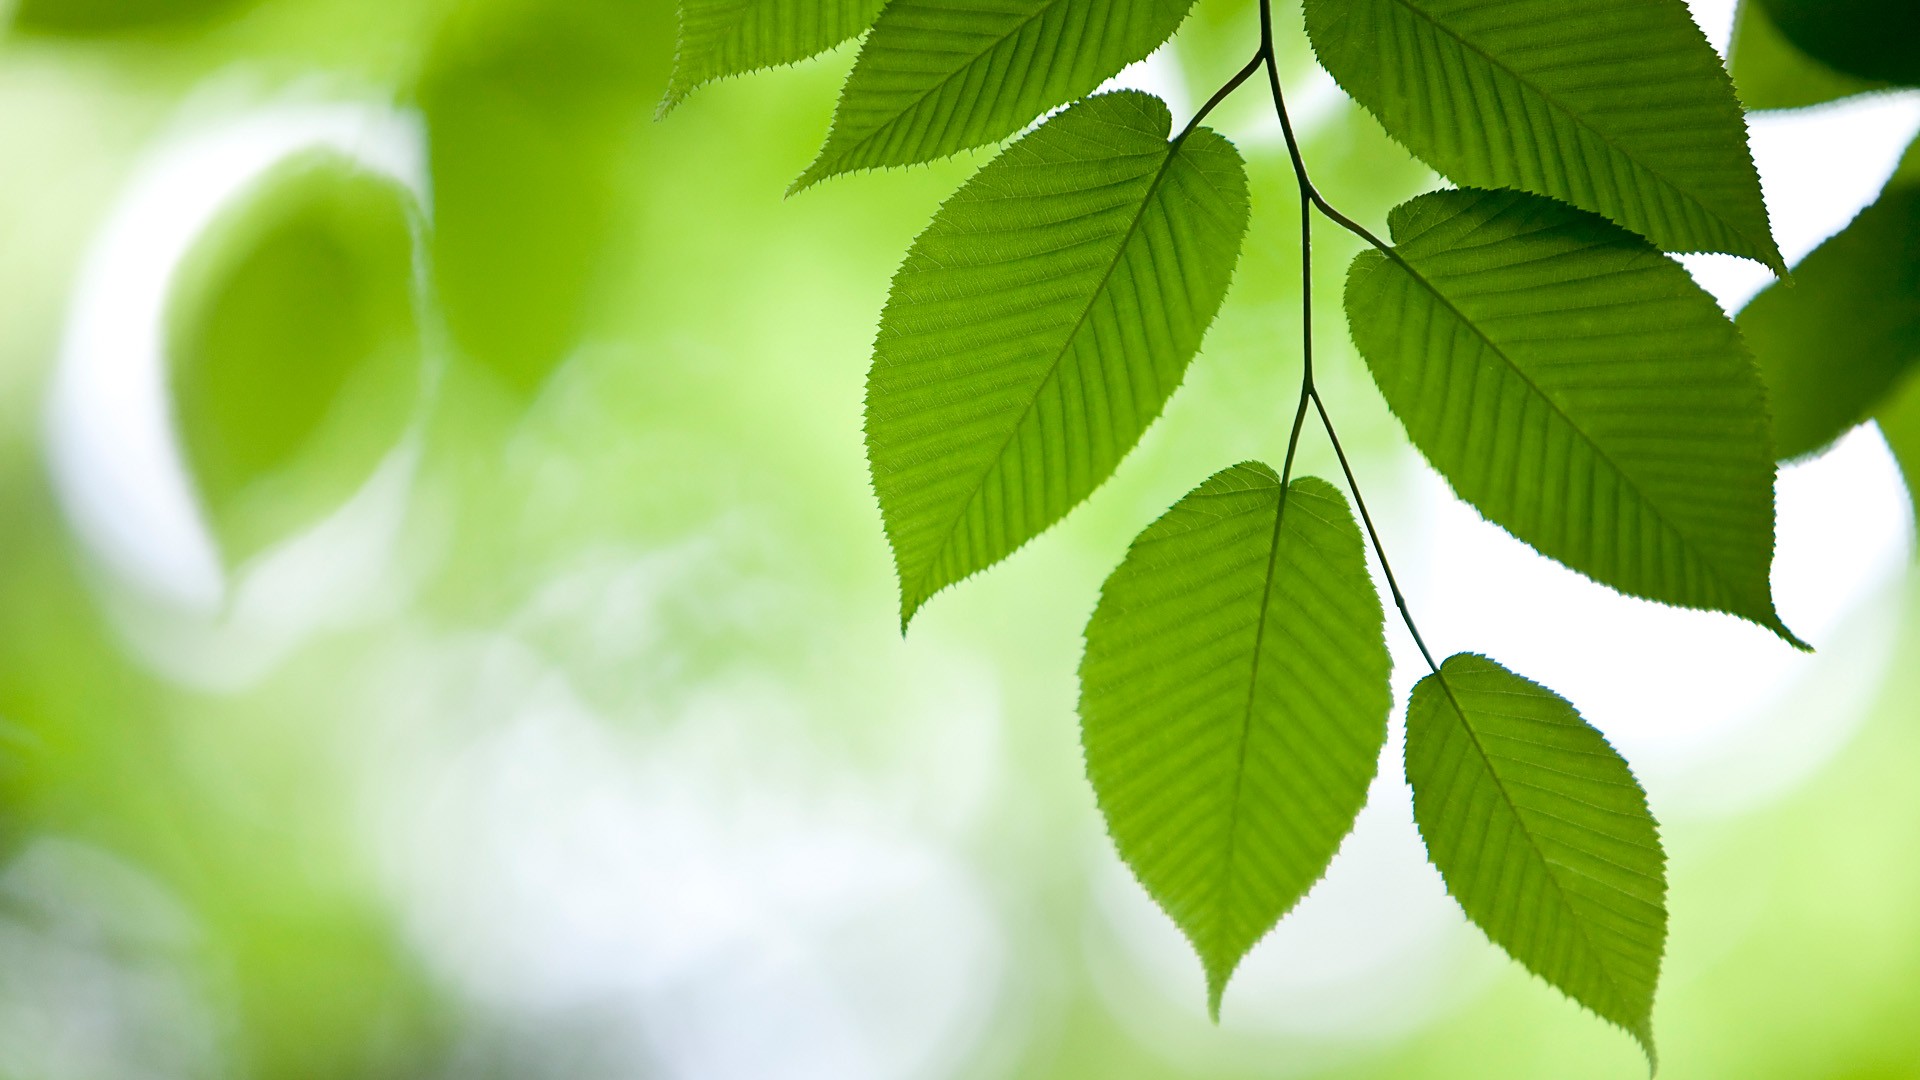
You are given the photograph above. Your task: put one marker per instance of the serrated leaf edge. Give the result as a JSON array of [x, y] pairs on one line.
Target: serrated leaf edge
[[1642, 1033]]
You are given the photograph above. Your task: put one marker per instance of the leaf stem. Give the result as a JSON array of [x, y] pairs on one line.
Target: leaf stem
[[1311, 199], [1393, 585], [1224, 92], [1307, 391], [1293, 143]]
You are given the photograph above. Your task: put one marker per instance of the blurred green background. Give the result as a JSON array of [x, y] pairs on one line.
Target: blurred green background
[[445, 629]]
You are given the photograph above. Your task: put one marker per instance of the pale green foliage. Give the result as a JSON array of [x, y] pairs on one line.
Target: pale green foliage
[[1616, 106], [294, 348], [1233, 703], [106, 17], [1833, 344], [527, 116], [1039, 325], [1543, 835], [723, 38], [940, 76], [1770, 73], [1580, 390]]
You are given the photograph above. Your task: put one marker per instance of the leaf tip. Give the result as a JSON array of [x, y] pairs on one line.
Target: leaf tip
[[1216, 990], [1220, 968], [1772, 622], [668, 102], [1643, 1034], [821, 168]]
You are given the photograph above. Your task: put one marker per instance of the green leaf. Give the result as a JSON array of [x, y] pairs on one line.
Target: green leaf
[[1834, 344], [1867, 39], [723, 38], [1233, 704], [1039, 325], [1542, 834], [294, 348], [1616, 106], [1899, 422], [529, 115], [1577, 387], [940, 76], [1769, 72]]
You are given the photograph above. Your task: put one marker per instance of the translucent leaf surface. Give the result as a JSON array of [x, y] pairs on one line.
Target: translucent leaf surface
[[940, 76], [1580, 390], [1834, 344], [294, 348], [1542, 834], [1616, 106], [1233, 703], [1039, 325], [1867, 39], [723, 38], [1769, 72]]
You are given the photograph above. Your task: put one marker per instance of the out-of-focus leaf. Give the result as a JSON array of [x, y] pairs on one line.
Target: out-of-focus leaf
[[1770, 73], [937, 77], [1577, 387], [1867, 39], [723, 38], [1233, 703], [295, 347], [1542, 834], [1833, 344], [1899, 421], [88, 17], [1039, 325], [1620, 107], [527, 118]]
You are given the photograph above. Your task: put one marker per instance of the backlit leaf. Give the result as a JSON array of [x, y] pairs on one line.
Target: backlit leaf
[[1233, 704], [1616, 106], [1834, 344], [940, 76], [1039, 325], [1542, 834], [723, 38], [1580, 390]]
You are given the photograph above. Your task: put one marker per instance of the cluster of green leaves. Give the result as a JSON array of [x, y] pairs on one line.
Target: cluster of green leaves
[[1527, 328], [1840, 345]]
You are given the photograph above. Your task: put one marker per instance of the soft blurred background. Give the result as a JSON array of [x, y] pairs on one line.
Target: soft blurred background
[[445, 629]]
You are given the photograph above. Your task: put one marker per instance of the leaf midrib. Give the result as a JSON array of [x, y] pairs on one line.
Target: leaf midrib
[[1526, 830], [867, 138], [1053, 370], [1659, 511], [1246, 717], [1567, 111]]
